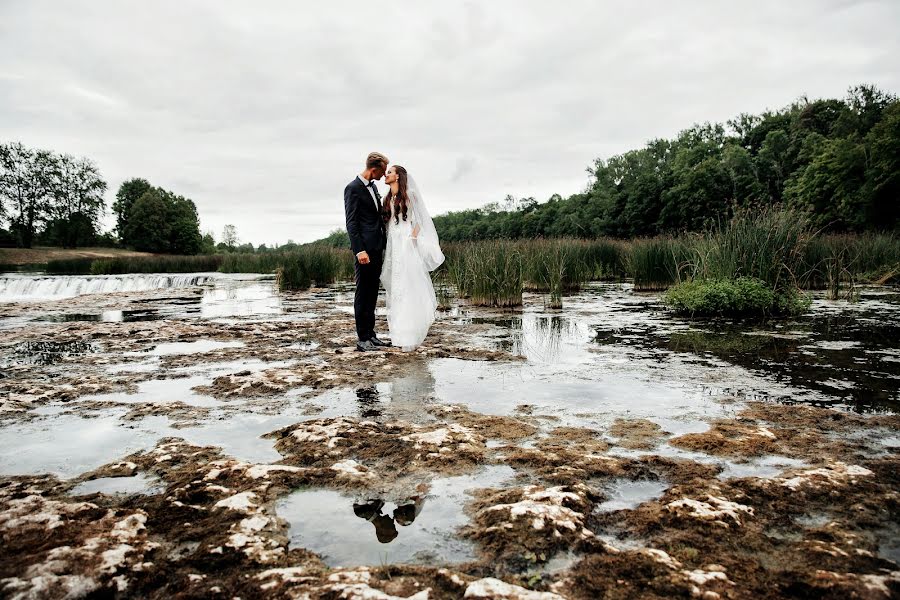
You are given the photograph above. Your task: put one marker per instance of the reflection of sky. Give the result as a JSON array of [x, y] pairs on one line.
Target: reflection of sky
[[233, 299]]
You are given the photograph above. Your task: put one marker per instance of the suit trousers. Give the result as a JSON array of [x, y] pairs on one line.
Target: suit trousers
[[368, 280]]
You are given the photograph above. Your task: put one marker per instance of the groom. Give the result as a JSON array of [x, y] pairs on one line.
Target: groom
[[362, 208]]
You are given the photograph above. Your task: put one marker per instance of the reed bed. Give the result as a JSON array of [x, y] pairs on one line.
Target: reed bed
[[322, 265], [69, 266], [833, 261], [660, 262], [156, 264], [488, 273]]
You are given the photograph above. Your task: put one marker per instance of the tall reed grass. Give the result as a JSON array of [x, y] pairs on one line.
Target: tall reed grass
[[657, 263], [69, 266], [156, 264], [488, 273]]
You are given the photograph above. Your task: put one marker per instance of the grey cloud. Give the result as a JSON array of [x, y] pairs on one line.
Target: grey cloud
[[262, 113]]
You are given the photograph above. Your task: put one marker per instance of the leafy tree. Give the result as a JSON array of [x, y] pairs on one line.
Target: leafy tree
[[76, 203], [128, 194], [160, 221], [229, 237]]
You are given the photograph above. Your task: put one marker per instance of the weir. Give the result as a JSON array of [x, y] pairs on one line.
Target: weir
[[25, 288]]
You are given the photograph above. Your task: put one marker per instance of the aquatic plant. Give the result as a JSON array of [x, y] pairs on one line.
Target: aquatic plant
[[740, 297], [489, 273], [657, 263]]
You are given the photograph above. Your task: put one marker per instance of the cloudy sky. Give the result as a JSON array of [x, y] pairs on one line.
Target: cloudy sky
[[261, 112]]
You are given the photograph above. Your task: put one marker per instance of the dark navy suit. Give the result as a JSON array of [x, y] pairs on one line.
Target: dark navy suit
[[366, 230]]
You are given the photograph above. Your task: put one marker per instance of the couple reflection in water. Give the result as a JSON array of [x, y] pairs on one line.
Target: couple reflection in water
[[386, 526], [405, 401]]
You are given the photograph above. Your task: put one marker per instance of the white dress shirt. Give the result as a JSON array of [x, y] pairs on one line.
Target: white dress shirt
[[371, 189]]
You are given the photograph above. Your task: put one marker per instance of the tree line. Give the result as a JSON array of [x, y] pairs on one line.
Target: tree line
[[56, 199], [836, 160]]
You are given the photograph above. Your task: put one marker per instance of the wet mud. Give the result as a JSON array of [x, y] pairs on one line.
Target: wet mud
[[588, 466]]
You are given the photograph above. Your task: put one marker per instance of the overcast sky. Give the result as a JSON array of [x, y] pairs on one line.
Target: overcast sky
[[261, 112]]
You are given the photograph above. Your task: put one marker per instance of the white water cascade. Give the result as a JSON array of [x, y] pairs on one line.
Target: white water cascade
[[30, 288]]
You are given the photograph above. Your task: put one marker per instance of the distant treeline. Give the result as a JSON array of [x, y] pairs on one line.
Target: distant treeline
[[837, 161]]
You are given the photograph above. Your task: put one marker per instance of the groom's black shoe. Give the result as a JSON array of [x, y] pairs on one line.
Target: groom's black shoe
[[379, 343], [366, 346]]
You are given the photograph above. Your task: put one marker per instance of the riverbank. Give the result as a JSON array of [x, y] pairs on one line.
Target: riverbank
[[41, 255]]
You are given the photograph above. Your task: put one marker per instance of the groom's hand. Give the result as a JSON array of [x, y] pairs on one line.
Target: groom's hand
[[363, 257]]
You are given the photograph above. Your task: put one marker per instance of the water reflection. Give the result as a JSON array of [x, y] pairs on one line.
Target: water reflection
[[406, 397], [386, 526], [545, 338], [419, 528]]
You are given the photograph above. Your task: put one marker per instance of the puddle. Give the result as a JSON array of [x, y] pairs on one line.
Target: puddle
[[627, 494], [416, 529], [765, 467], [107, 316], [161, 391], [67, 445], [136, 484], [197, 347]]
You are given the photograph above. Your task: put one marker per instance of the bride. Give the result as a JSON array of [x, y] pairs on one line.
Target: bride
[[412, 251]]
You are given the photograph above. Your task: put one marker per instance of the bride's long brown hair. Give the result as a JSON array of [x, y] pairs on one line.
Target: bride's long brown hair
[[400, 202]]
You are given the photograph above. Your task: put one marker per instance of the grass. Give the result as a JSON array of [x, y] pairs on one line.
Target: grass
[[156, 264], [69, 266], [488, 273], [754, 263], [657, 263]]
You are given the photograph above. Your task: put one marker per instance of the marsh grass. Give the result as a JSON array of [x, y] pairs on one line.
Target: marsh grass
[[156, 264], [660, 262], [69, 266], [835, 261], [766, 244], [488, 273], [556, 266]]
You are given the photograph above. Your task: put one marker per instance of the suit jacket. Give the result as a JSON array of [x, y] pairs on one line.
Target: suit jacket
[[364, 223]]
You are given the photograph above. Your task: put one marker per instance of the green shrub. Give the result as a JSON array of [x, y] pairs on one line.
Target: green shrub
[[741, 297]]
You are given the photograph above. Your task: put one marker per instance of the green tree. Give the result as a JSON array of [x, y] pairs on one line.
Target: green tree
[[160, 221], [128, 194]]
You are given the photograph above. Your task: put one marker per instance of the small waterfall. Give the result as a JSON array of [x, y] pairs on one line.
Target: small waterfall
[[27, 288]]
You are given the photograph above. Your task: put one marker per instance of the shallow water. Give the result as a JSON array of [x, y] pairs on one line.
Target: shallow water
[[420, 528], [609, 354], [627, 494], [136, 484]]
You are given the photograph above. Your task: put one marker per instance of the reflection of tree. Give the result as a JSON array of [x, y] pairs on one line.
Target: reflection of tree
[[386, 526]]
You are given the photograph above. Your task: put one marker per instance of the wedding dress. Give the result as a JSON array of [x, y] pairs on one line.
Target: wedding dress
[[408, 259]]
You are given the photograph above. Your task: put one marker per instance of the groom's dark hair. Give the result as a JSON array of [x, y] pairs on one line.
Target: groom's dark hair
[[376, 159]]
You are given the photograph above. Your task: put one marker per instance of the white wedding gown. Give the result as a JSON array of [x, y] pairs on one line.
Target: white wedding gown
[[410, 298]]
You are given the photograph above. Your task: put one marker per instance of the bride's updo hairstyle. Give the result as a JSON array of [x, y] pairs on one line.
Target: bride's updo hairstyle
[[400, 202]]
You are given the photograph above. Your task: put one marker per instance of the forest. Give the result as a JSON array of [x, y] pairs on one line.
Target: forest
[[835, 160]]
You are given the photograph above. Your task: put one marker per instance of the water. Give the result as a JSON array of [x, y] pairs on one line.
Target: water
[[35, 288], [419, 528], [136, 484], [627, 494], [608, 354]]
